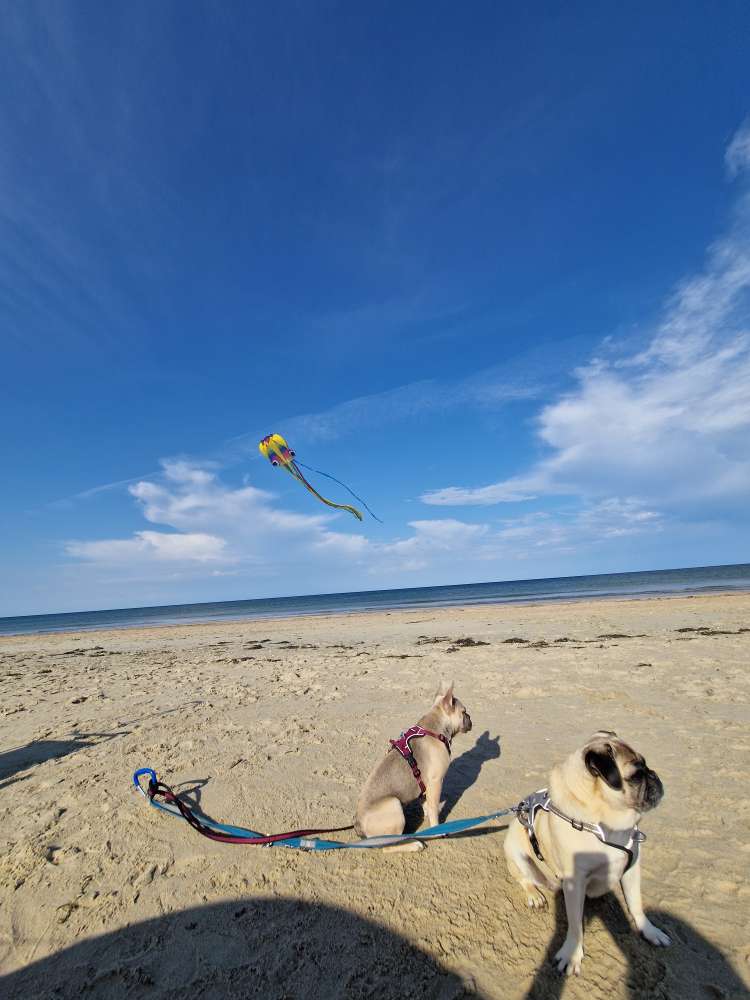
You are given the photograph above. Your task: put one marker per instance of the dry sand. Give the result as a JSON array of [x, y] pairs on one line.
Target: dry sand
[[276, 724]]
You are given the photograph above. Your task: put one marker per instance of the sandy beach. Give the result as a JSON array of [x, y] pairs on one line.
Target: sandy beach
[[275, 725]]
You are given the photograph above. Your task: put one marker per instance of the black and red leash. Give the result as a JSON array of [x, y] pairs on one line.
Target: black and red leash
[[159, 789]]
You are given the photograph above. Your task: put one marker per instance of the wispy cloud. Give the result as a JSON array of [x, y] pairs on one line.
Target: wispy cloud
[[670, 424], [485, 390], [449, 545], [575, 531], [78, 174], [508, 491], [737, 156], [94, 491], [51, 278]]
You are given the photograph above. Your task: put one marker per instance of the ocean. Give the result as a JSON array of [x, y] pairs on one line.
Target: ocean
[[697, 580]]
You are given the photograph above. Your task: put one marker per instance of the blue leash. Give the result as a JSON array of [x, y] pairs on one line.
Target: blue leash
[[315, 843]]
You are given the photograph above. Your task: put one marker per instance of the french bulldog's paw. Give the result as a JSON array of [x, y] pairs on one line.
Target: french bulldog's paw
[[407, 846], [535, 899], [654, 935], [569, 958]]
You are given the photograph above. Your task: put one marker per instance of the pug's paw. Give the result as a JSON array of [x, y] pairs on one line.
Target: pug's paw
[[654, 935]]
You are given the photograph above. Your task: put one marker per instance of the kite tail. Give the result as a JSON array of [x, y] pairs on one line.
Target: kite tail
[[319, 472], [292, 467]]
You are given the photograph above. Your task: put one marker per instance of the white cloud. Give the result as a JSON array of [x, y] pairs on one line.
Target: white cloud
[[339, 543], [184, 471], [567, 532], [493, 548], [615, 517], [243, 525], [193, 496], [669, 424], [214, 523], [429, 541], [737, 156], [432, 542], [221, 531], [456, 545], [151, 546]]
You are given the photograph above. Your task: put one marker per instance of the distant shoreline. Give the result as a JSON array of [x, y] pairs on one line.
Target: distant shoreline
[[247, 617]]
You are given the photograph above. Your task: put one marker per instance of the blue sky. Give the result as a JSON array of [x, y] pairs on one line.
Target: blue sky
[[490, 267]]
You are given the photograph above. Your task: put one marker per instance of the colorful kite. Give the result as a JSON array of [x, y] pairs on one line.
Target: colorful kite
[[277, 451]]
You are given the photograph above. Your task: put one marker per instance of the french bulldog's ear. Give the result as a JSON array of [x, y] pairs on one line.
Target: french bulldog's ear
[[602, 765], [445, 694]]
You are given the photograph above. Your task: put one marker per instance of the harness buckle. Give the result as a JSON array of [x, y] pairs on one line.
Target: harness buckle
[[577, 824], [522, 814]]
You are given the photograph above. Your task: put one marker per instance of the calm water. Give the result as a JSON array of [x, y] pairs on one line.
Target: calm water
[[703, 579]]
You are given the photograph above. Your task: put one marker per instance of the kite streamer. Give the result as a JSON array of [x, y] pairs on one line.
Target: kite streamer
[[279, 454]]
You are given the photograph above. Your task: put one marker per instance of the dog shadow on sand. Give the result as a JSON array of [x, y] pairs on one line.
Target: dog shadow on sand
[[464, 771], [22, 758], [690, 969]]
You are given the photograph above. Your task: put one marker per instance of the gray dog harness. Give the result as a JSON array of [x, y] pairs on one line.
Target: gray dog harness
[[528, 809]]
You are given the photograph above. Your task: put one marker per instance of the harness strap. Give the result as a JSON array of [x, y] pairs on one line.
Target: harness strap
[[526, 812], [403, 745]]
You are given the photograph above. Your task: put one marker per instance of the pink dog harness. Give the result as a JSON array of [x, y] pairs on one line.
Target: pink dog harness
[[403, 745]]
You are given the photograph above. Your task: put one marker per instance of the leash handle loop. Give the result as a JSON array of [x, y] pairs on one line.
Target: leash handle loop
[[152, 782]]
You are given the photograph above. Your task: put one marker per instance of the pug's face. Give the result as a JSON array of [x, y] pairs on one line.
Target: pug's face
[[624, 778]]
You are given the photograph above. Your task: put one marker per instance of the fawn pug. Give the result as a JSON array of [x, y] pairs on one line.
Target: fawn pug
[[606, 784]]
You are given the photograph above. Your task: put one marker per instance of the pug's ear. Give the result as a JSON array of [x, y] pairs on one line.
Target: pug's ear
[[602, 765]]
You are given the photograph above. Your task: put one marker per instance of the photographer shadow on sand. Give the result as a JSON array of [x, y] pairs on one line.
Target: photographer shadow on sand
[[277, 949]]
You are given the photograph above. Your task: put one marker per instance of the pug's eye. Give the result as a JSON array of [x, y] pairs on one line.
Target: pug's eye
[[637, 776]]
